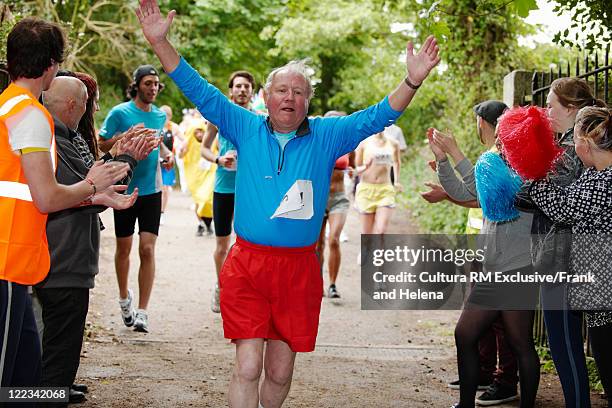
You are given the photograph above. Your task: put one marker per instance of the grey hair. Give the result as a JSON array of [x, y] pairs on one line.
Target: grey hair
[[300, 67]]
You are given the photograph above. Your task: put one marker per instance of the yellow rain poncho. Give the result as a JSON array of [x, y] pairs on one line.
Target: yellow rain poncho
[[199, 173]]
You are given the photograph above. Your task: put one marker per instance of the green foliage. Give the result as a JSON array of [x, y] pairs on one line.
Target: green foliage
[[439, 218], [356, 56], [222, 36], [348, 42], [548, 366], [103, 35], [523, 7], [591, 16], [594, 380]]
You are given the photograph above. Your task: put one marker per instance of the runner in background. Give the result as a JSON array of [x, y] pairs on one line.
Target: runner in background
[[240, 85]]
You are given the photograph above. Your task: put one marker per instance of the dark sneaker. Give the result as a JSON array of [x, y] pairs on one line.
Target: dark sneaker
[[497, 394], [76, 397], [200, 230], [80, 388], [332, 292], [455, 385]]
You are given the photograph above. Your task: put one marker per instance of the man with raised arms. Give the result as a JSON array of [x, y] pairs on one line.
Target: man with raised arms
[[271, 281]]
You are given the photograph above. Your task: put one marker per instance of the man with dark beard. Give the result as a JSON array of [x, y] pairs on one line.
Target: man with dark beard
[[138, 112]]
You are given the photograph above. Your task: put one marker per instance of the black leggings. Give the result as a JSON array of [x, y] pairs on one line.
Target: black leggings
[[602, 352], [518, 326], [207, 221]]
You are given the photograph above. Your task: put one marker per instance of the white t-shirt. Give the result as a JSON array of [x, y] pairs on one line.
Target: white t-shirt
[[29, 129]]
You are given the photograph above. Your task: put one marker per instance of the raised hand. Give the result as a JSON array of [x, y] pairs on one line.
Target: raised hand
[[447, 143], [420, 64], [154, 25], [435, 148]]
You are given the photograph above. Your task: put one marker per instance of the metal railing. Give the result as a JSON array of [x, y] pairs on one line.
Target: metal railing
[[598, 77]]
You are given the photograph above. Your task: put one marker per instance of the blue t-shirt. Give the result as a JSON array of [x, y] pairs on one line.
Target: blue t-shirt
[[267, 174], [284, 138], [147, 174], [225, 180]]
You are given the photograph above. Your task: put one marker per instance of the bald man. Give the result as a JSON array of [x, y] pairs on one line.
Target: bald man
[[66, 99], [74, 241]]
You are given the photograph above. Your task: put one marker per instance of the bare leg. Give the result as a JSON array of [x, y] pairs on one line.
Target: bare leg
[[247, 370], [146, 273], [336, 223], [367, 227], [383, 215], [321, 243], [367, 223], [122, 264], [279, 362], [165, 196], [221, 251]]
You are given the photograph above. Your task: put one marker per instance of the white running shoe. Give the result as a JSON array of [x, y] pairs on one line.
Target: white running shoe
[[343, 237], [141, 322], [127, 309], [162, 219], [215, 304]]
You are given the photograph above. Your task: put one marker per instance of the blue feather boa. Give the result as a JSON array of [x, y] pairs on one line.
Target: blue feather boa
[[496, 186]]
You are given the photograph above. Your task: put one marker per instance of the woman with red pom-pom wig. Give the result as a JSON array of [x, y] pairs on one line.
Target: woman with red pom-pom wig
[[551, 244]]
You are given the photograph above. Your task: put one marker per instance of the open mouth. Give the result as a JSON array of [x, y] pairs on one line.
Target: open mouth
[[288, 110]]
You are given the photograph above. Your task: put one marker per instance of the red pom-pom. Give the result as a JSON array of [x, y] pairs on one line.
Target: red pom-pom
[[528, 142]]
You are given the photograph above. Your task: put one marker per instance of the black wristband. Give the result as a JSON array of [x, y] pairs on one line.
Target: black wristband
[[410, 84], [217, 160]]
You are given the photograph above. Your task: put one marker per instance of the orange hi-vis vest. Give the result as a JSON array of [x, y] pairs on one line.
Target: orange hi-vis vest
[[24, 254]]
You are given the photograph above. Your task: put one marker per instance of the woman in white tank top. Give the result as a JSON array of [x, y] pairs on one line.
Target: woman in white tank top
[[375, 195]]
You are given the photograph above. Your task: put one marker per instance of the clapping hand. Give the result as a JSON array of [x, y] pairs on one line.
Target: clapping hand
[[435, 148], [103, 175], [435, 194], [447, 143], [112, 197], [137, 143]]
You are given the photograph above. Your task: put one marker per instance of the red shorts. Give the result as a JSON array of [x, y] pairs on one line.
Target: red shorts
[[271, 293]]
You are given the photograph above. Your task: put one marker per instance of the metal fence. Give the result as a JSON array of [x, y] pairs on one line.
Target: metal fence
[[598, 77]]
